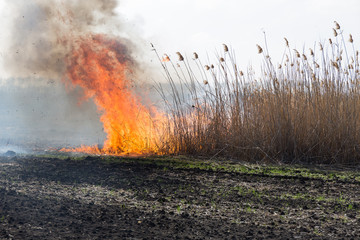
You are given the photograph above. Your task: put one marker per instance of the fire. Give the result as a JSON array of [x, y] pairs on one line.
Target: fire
[[101, 66]]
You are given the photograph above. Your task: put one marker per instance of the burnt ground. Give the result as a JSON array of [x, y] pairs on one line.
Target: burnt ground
[[47, 197]]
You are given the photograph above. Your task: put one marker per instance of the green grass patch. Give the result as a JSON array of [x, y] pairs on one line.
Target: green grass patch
[[221, 165]]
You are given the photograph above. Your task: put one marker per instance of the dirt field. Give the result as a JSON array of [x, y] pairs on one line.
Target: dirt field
[[47, 197]]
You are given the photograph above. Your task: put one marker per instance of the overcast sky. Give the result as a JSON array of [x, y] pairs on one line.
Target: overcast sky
[[203, 25]]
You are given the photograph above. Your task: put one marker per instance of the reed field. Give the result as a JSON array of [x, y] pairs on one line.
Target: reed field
[[305, 109]]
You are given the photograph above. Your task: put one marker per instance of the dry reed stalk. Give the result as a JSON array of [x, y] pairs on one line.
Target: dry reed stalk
[[301, 111]]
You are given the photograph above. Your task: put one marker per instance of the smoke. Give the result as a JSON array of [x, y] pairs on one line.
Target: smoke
[[39, 37], [44, 32]]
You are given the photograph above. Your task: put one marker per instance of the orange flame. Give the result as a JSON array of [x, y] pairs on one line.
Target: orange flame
[[101, 65]]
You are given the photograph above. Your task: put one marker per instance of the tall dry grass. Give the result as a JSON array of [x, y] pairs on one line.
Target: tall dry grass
[[305, 109]]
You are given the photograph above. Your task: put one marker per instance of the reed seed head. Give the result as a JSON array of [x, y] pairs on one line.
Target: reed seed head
[[335, 65], [321, 47], [311, 52], [317, 65], [226, 49], [351, 39], [212, 66], [337, 26], [304, 56], [207, 67], [222, 59], [206, 82], [181, 58], [241, 73], [335, 32], [286, 42], [330, 41], [260, 50], [196, 56], [297, 53]]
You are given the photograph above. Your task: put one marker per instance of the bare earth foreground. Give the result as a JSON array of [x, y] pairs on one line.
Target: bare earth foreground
[[61, 197]]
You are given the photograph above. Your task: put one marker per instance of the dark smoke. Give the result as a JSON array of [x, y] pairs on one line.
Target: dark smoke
[[44, 31], [34, 103]]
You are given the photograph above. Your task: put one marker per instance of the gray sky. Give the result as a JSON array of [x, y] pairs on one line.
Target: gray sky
[[203, 25]]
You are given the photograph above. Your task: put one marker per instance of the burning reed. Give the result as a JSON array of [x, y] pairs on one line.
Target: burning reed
[[80, 43], [101, 66], [305, 109]]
